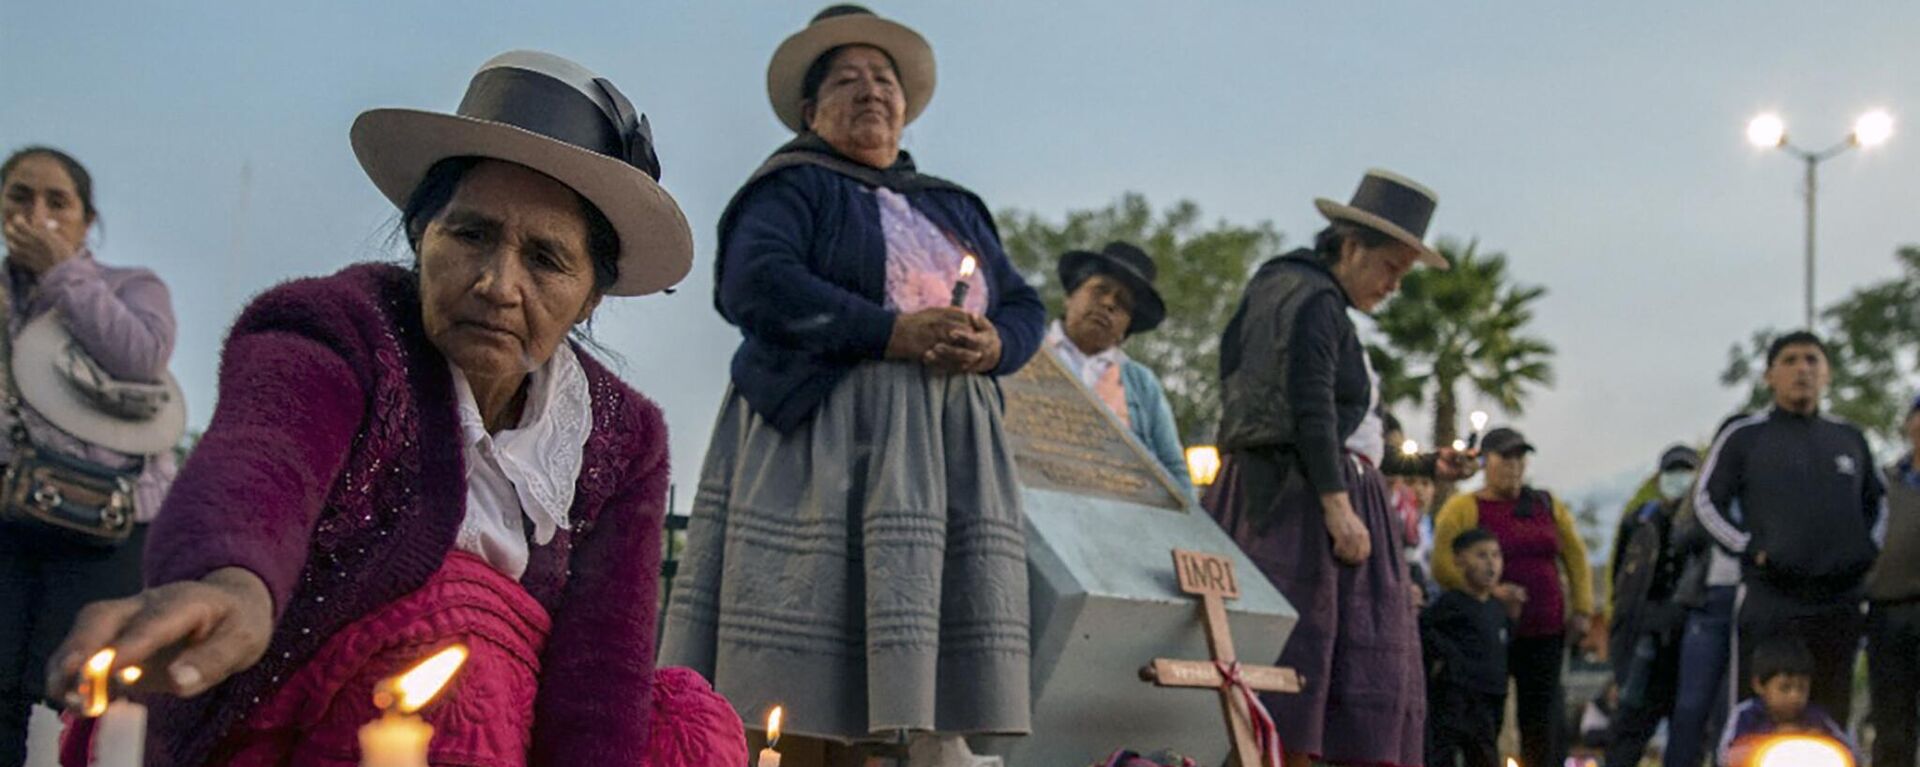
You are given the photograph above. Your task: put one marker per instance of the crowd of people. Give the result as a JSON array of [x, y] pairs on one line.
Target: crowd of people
[[407, 454]]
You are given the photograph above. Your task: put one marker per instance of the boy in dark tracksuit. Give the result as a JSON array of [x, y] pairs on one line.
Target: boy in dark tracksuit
[[1465, 637], [1810, 499]]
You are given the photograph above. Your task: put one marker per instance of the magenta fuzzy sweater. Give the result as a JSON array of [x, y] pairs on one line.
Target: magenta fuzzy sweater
[[332, 468]]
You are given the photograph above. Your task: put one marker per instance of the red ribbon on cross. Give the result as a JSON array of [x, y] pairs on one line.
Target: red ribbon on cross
[[1264, 731]]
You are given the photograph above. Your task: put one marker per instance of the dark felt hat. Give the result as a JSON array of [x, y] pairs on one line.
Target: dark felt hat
[[1128, 264]]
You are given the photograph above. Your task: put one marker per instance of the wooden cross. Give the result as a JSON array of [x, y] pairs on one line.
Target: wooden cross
[[1211, 578]]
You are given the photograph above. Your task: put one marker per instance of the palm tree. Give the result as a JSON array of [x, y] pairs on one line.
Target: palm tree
[[1462, 325]]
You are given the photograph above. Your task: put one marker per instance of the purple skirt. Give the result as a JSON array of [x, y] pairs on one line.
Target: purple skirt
[[1358, 640]]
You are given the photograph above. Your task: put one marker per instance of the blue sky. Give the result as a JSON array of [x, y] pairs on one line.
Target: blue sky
[[1599, 145]]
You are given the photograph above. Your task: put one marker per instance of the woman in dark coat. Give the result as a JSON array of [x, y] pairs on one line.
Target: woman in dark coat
[[857, 550], [1301, 486]]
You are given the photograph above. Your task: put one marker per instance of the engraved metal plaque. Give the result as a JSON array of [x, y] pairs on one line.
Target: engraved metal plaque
[[1064, 439]]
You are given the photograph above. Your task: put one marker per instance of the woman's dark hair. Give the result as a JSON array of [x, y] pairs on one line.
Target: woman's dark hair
[[82, 180], [817, 71], [443, 179], [1328, 243]]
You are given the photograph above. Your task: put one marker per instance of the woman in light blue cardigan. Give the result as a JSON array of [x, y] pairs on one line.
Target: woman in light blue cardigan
[[1110, 297]]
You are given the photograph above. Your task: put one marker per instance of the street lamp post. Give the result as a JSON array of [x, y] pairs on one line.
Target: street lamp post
[[1768, 131]]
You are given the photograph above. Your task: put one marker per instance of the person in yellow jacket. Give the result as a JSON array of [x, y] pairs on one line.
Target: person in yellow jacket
[[1542, 547]]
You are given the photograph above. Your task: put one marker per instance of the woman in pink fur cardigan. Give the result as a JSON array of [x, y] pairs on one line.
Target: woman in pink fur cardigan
[[404, 458]]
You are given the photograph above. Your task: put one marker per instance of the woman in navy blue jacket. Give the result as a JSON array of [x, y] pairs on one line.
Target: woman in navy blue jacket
[[857, 549]]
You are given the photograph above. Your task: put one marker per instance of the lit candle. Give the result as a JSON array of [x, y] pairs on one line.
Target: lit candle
[[768, 756], [120, 735], [1460, 445], [1479, 421], [1409, 448], [399, 738], [961, 285]]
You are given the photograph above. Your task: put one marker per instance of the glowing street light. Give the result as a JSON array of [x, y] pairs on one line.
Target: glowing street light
[[1873, 129], [1768, 131]]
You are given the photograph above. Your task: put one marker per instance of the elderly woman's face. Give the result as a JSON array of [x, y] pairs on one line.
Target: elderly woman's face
[[505, 271], [1371, 274], [860, 105], [1098, 313]]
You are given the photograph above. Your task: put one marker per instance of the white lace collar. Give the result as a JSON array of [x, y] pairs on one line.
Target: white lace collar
[[540, 457]]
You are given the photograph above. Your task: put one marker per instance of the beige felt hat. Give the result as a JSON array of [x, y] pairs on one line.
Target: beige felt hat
[[66, 387], [556, 117], [1393, 205], [840, 25]]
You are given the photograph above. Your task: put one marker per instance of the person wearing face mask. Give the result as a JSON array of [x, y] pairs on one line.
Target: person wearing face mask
[[1543, 550], [1110, 298], [1300, 487], [1647, 621], [1810, 507]]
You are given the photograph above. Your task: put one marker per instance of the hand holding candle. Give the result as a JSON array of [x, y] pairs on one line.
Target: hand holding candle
[[399, 738], [1479, 421], [961, 286], [768, 756]]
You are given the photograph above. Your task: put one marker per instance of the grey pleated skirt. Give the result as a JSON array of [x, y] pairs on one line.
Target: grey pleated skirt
[[867, 570]]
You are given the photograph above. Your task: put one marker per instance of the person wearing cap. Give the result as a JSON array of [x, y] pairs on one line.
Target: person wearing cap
[[1796, 495], [1111, 298], [1300, 487], [405, 457], [69, 312], [1893, 617], [859, 492], [1543, 548], [1646, 618]]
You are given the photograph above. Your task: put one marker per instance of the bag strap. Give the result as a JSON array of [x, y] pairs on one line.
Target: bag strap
[[17, 434]]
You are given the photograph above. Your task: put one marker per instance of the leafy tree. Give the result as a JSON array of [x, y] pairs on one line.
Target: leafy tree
[[1465, 326], [1873, 344], [1202, 271]]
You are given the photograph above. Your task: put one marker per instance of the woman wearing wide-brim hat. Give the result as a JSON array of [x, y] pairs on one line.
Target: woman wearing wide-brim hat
[[1301, 484], [410, 456], [859, 493], [1111, 297]]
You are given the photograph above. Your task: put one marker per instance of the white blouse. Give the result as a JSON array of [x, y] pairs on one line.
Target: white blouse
[[526, 473]]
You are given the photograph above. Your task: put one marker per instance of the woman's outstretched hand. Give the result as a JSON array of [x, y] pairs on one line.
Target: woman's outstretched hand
[[186, 636]]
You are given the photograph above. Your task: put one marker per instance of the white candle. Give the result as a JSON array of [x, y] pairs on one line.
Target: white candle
[[120, 737], [395, 740], [399, 738], [768, 756]]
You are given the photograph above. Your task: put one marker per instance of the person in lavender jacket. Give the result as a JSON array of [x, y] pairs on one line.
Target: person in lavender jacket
[[123, 318], [403, 458]]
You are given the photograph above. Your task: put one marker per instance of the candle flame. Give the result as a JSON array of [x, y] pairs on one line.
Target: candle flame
[[966, 266], [773, 725], [1479, 419], [1459, 444], [131, 674], [93, 685], [412, 690], [1511, 762], [1410, 447]]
